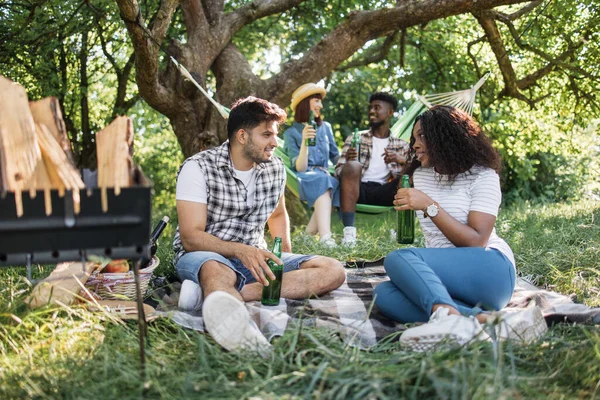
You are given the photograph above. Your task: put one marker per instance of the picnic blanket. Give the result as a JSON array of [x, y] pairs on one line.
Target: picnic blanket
[[349, 310]]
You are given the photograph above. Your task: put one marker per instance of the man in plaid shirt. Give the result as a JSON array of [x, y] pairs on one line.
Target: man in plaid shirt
[[225, 196], [373, 177]]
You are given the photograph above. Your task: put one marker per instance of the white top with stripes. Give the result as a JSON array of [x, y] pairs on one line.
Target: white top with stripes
[[476, 190]]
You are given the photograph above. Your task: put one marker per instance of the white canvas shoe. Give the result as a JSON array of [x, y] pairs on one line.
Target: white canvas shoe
[[454, 330], [190, 296], [521, 327], [328, 241], [228, 322], [349, 238]]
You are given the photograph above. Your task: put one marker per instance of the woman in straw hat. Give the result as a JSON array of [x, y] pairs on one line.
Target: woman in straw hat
[[317, 187]]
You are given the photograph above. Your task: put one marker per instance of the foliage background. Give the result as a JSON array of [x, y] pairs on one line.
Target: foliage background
[[79, 52]]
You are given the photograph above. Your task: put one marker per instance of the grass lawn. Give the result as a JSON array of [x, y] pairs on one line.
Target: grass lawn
[[70, 353]]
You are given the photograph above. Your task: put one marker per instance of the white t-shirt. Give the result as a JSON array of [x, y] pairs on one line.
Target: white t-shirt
[[378, 170], [478, 190], [191, 184]]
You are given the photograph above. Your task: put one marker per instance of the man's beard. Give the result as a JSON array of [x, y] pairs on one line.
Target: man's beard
[[254, 153], [376, 124]]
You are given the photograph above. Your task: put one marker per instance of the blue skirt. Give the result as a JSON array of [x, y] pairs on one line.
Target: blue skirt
[[313, 183]]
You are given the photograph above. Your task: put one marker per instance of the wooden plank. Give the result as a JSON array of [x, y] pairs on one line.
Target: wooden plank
[[53, 171], [47, 112], [60, 286], [114, 153], [56, 160], [19, 151]]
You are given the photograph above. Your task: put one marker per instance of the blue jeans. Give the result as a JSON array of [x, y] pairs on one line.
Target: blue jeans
[[189, 265], [470, 279]]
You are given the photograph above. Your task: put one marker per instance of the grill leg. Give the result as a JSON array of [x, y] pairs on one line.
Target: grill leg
[[83, 261], [142, 332], [29, 267]]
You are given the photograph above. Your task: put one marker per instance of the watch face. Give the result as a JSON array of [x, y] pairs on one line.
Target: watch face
[[432, 210]]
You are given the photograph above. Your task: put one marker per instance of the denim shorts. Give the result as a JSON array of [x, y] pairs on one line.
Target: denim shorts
[[188, 266]]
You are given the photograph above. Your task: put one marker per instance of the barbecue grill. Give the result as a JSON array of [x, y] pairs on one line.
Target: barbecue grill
[[123, 231]]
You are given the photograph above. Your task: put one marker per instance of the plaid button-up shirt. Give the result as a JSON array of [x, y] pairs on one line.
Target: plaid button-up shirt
[[366, 148], [228, 216]]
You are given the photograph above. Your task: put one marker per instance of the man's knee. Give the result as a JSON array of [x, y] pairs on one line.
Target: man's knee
[[351, 171], [213, 271], [333, 270]]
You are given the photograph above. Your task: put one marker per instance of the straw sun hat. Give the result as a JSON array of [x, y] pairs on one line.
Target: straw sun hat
[[304, 91]]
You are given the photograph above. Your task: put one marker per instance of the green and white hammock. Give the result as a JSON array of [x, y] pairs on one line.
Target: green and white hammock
[[463, 99]]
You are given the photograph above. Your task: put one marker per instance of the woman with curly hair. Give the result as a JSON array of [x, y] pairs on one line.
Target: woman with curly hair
[[316, 186], [466, 270]]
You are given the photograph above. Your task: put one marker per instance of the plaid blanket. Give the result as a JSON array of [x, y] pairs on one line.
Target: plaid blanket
[[349, 309]]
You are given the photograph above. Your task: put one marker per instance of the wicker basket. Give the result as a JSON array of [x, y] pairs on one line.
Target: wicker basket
[[120, 286]]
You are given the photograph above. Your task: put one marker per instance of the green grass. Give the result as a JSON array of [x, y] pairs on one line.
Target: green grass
[[59, 352]]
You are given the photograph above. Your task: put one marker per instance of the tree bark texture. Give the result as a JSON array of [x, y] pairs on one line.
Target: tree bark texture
[[210, 30]]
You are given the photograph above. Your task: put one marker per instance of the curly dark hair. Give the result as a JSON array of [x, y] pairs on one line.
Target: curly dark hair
[[249, 112], [454, 142], [383, 96]]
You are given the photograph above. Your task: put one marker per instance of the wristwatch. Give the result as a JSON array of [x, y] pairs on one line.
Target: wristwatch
[[432, 210]]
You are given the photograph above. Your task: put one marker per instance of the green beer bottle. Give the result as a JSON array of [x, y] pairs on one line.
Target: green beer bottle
[[355, 144], [405, 233], [313, 123], [272, 293]]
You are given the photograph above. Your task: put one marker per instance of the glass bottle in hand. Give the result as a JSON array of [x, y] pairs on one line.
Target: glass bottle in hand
[[405, 233], [313, 123], [272, 293]]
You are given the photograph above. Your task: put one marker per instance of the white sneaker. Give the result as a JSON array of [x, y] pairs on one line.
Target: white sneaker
[[349, 238], [190, 296], [455, 330], [328, 241], [228, 322], [521, 327]]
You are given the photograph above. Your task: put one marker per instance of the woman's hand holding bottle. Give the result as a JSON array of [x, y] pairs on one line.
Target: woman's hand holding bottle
[[411, 199], [308, 132]]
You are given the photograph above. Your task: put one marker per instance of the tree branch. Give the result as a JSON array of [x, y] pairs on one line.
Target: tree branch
[[554, 61], [524, 10], [121, 105], [360, 27], [146, 51], [472, 56], [374, 55], [213, 10], [250, 12], [195, 21], [488, 23], [105, 51]]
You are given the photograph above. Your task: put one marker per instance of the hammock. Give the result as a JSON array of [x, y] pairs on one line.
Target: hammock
[[463, 99]]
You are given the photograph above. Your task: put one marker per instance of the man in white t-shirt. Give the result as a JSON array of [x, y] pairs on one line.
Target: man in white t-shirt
[[225, 196], [373, 177]]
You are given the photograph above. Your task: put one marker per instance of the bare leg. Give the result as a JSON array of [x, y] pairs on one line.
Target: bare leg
[[314, 278], [323, 213], [350, 185], [215, 276], [312, 227]]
